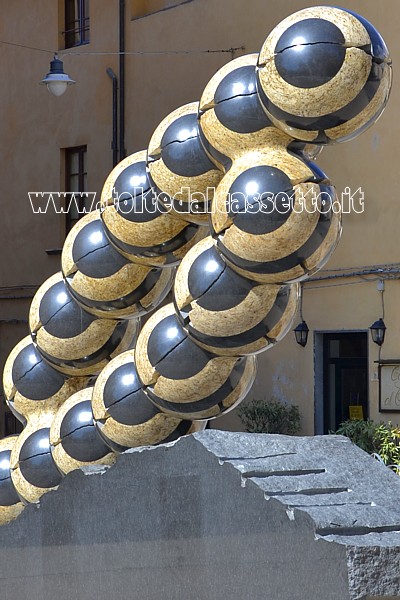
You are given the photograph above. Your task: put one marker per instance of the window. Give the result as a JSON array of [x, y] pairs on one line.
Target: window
[[76, 23], [76, 198], [142, 8], [11, 425]]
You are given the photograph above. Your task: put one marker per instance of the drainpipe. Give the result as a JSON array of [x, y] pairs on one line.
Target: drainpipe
[[114, 143], [121, 79]]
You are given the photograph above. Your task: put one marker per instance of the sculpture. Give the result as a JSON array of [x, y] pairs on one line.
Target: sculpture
[[228, 185]]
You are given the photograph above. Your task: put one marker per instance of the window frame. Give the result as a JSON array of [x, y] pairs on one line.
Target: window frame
[[80, 195], [80, 18]]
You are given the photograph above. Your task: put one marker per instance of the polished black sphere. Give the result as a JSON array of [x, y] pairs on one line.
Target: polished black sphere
[[31, 385], [232, 119], [180, 167], [136, 221], [125, 417], [79, 436], [11, 503], [183, 379], [301, 64], [36, 464], [225, 312], [276, 221], [8, 494], [105, 283], [69, 338]]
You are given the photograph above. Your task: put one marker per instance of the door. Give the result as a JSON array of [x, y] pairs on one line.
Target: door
[[345, 378]]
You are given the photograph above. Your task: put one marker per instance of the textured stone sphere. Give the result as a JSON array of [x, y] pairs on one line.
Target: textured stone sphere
[[33, 470], [226, 313], [32, 386], [179, 166], [324, 75], [75, 441], [184, 380], [231, 117], [105, 283], [69, 338], [135, 221], [124, 415], [277, 220], [10, 502]]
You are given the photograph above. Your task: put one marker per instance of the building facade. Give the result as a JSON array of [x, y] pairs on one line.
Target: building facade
[[70, 143]]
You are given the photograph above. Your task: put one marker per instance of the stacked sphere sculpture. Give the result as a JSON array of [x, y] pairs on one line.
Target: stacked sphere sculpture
[[227, 209]]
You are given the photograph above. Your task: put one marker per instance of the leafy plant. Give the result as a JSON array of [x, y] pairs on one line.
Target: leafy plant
[[270, 416], [379, 439], [388, 441], [362, 433]]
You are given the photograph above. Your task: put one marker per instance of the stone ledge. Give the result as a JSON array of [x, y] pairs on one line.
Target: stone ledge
[[214, 515]]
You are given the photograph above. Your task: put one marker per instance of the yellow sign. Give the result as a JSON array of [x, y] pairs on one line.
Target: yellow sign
[[356, 412]]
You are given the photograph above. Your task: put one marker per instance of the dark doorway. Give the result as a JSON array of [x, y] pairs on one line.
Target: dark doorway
[[345, 378]]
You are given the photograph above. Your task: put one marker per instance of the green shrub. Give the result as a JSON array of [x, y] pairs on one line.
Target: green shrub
[[380, 439], [263, 416], [362, 433], [388, 442]]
